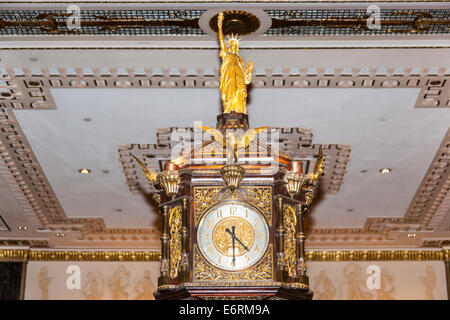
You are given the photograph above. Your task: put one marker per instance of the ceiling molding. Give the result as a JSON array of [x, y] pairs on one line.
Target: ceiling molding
[[26, 88]]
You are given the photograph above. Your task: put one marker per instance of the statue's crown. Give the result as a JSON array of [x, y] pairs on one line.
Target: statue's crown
[[233, 37]]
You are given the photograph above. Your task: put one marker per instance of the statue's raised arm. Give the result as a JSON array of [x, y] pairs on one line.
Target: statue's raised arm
[[233, 76], [223, 47]]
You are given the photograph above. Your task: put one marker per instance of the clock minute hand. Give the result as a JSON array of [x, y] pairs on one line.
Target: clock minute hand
[[236, 238], [245, 247]]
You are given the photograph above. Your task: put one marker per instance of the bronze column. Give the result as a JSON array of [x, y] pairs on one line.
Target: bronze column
[[164, 277], [184, 274], [301, 261], [281, 272]]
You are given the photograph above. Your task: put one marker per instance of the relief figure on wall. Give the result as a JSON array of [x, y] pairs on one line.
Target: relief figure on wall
[[429, 281], [324, 289], [118, 283], [353, 284], [144, 288], [43, 283], [387, 289], [94, 287]]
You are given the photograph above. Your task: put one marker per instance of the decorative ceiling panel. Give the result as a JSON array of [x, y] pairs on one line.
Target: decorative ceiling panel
[[314, 60], [194, 20], [25, 88], [355, 22], [79, 231], [102, 22]]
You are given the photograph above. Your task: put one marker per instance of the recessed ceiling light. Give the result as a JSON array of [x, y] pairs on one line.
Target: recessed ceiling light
[[411, 235], [84, 171], [385, 170], [105, 171], [24, 228]]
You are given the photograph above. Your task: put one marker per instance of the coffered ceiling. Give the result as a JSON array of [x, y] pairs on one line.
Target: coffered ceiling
[[373, 99]]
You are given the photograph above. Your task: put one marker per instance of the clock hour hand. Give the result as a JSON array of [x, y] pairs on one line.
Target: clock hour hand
[[233, 237]]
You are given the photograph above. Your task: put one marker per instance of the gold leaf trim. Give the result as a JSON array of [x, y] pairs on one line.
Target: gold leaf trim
[[378, 255], [290, 221], [261, 197], [175, 240], [350, 255], [56, 255], [204, 198]]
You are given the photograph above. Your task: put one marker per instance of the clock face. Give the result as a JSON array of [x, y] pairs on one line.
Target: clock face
[[233, 236]]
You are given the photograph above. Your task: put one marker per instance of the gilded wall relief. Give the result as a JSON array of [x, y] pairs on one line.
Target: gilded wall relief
[[324, 288], [387, 289], [94, 287], [144, 289], [44, 281], [429, 281], [330, 280], [353, 287], [118, 283]]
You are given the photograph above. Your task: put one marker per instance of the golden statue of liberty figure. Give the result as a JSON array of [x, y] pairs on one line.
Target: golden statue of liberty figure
[[233, 76]]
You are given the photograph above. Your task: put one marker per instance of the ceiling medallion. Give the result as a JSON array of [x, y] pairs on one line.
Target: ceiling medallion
[[236, 22]]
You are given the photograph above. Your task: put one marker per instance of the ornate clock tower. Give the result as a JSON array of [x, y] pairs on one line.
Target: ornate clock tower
[[232, 204]]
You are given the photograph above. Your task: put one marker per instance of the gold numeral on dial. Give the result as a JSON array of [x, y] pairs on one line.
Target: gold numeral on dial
[[219, 214], [233, 210]]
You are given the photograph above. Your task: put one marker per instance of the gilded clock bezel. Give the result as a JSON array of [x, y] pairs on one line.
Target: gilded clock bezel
[[249, 205]]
